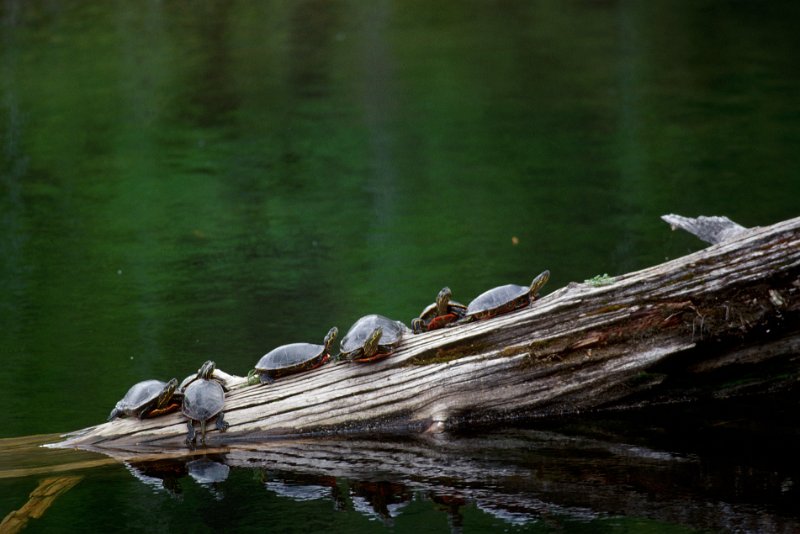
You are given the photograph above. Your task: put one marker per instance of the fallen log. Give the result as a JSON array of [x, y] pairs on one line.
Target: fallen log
[[722, 321]]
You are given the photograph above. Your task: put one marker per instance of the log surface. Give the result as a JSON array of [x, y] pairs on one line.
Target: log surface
[[722, 321]]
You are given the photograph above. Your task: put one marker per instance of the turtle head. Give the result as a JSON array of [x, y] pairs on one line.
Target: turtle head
[[114, 414], [442, 300], [371, 343], [330, 337], [417, 326], [538, 282], [167, 393], [206, 370]]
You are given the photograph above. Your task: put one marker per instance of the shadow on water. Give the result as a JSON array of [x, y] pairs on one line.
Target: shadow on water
[[729, 467]]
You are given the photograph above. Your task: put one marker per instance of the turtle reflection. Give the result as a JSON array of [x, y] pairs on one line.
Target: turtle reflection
[[209, 473], [164, 475], [302, 487], [159, 475], [383, 500], [451, 505]]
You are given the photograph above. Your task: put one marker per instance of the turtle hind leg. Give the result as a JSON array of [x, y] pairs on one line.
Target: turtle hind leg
[[190, 438], [222, 424], [203, 431]]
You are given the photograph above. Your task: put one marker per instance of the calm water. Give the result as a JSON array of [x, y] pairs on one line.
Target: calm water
[[190, 180]]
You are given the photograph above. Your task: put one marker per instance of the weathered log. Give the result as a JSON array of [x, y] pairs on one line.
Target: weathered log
[[721, 321]]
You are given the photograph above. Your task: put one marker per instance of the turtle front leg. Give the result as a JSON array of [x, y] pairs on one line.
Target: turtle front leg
[[222, 424], [190, 438]]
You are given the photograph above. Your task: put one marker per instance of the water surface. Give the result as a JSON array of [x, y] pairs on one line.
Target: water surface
[[182, 181]]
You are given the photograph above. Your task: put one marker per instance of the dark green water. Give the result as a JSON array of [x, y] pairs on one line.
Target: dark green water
[[190, 180]]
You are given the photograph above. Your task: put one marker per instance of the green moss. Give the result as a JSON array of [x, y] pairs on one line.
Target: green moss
[[600, 280]]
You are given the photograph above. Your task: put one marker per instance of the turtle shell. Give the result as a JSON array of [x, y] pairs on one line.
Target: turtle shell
[[498, 300], [186, 381], [203, 399], [294, 357], [138, 398], [429, 313], [357, 335], [289, 358]]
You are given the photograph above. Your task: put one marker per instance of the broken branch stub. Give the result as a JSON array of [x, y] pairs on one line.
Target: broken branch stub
[[710, 229]]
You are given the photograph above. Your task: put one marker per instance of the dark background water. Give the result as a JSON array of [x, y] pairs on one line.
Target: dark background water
[[182, 181]]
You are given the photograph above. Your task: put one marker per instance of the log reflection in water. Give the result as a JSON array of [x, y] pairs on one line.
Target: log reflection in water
[[38, 502], [579, 472], [208, 471]]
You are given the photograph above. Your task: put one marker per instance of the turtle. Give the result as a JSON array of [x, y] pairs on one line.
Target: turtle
[[195, 376], [203, 400], [371, 338], [148, 398], [442, 312], [504, 299], [207, 471], [294, 358]]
